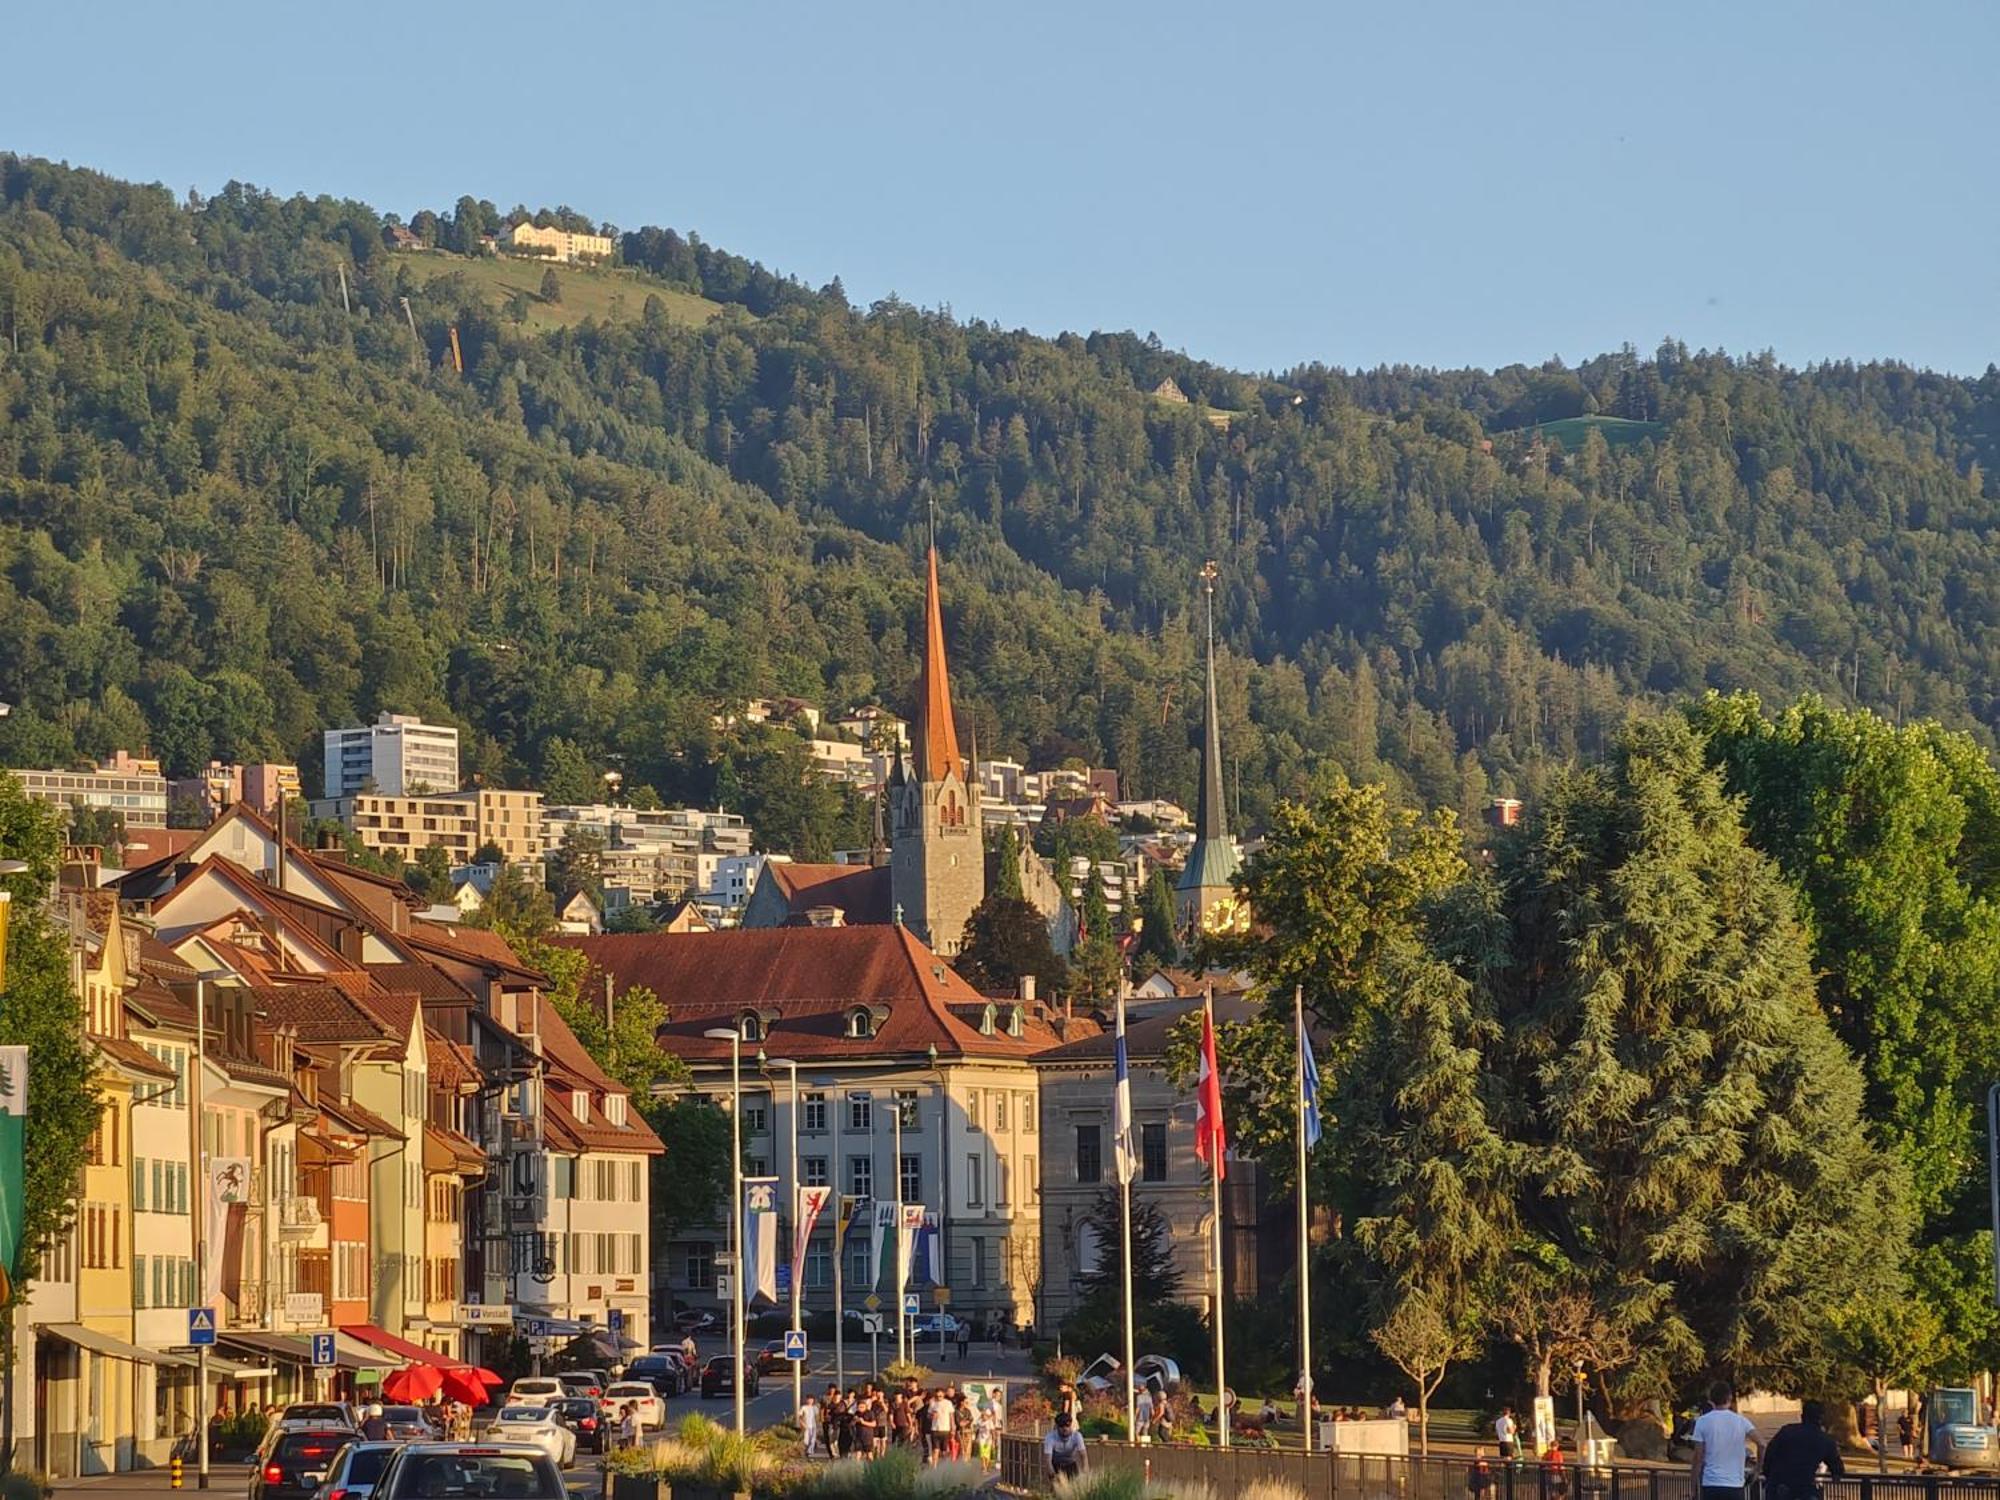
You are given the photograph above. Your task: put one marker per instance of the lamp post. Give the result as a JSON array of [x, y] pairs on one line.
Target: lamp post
[[1579, 1415], [735, 1040], [798, 1268], [7, 867], [197, 1205]]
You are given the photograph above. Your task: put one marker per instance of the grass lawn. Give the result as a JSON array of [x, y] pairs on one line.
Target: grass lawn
[[1617, 431], [612, 295]]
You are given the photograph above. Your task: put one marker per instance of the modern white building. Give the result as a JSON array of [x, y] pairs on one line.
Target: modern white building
[[398, 755]]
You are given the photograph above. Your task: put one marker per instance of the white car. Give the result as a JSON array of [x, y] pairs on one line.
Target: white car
[[536, 1425], [930, 1325], [535, 1390], [640, 1395]]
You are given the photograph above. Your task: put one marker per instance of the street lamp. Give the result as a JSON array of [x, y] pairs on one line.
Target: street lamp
[[1580, 1444], [197, 1202], [798, 1271], [735, 1040]]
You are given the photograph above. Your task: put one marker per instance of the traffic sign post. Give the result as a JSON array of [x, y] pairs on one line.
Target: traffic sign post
[[872, 1302], [795, 1343], [201, 1326], [911, 1305], [323, 1351]]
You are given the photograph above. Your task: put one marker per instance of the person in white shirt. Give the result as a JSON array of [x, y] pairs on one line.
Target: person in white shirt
[[943, 1416], [809, 1426], [1062, 1449], [1723, 1437], [1144, 1412], [1506, 1433]]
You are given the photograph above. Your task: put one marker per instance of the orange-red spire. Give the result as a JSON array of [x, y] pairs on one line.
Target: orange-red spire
[[934, 734]]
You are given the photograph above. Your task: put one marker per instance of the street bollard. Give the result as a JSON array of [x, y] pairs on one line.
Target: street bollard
[[174, 1472]]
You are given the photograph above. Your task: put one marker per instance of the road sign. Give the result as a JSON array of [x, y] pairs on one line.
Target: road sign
[[201, 1325], [872, 1302], [795, 1343], [323, 1353], [784, 1278], [941, 1295], [911, 1306], [615, 1320], [721, 1286], [871, 1324]]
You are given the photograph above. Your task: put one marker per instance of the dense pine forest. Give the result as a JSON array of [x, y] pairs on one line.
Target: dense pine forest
[[245, 494]]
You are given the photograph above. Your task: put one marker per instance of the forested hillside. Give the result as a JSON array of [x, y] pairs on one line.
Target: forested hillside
[[240, 502]]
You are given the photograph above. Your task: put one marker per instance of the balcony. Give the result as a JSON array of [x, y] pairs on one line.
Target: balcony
[[298, 1217]]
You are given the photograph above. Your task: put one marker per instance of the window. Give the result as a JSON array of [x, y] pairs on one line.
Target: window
[[614, 1108], [138, 1184], [756, 1166], [857, 1266], [986, 1019], [579, 1105], [999, 1109], [860, 1023], [755, 1118], [975, 1181], [751, 1026], [819, 1266], [860, 1112], [701, 1263], [972, 1109], [812, 1171], [1089, 1153], [978, 1269], [861, 1176], [1027, 1112], [912, 1179], [1003, 1181], [1153, 1152], [812, 1112], [1028, 1176]]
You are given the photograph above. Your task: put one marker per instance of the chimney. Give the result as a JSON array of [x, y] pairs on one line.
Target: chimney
[[826, 916], [1028, 988]]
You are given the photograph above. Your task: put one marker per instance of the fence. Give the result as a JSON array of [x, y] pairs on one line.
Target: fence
[[1371, 1477]]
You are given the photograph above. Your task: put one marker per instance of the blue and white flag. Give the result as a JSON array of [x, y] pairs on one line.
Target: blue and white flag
[[926, 1266], [1308, 1086], [1123, 1154], [760, 1238], [884, 1222]]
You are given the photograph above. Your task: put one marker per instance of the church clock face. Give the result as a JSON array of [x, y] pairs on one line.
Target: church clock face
[[1227, 917]]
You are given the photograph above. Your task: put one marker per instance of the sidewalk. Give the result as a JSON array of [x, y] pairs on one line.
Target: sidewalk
[[223, 1479]]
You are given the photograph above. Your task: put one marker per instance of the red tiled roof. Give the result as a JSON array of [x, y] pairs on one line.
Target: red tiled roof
[[447, 1150], [321, 1013], [156, 958], [806, 981], [566, 1056], [473, 945], [357, 1119], [426, 981], [450, 1065], [131, 1056], [860, 891], [1145, 1037]]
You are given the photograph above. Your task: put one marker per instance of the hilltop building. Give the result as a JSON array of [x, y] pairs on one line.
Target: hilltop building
[[398, 755], [556, 244]]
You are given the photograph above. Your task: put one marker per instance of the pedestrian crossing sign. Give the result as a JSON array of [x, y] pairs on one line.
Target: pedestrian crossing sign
[[201, 1326], [795, 1343]]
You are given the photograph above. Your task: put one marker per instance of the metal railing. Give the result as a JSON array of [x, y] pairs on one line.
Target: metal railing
[[1383, 1477]]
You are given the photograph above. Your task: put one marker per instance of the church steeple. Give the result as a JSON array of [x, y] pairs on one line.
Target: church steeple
[[933, 734], [1211, 864]]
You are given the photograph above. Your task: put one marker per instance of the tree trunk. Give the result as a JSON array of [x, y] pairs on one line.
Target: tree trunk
[[1423, 1421], [1542, 1386]]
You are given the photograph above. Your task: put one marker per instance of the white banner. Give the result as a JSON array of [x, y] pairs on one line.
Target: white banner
[[228, 1183], [760, 1239]]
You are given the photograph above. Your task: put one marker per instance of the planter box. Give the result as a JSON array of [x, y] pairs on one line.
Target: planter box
[[639, 1487]]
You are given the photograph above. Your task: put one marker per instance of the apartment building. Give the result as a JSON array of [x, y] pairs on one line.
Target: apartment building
[[462, 823], [220, 785], [555, 244], [398, 755], [131, 786]]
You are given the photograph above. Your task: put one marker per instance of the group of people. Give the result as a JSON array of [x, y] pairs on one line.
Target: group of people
[[940, 1424]]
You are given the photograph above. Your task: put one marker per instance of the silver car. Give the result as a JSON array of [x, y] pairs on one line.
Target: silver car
[[537, 1425], [355, 1471]]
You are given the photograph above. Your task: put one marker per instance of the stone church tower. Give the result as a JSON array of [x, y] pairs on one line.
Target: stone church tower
[[937, 849], [1204, 898]]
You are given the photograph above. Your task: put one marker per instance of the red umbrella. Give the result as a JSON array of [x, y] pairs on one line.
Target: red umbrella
[[463, 1384], [414, 1383], [480, 1372]]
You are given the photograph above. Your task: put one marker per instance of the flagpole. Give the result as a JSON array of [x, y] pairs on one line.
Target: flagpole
[[1125, 1225], [1305, 1280], [1215, 1190]]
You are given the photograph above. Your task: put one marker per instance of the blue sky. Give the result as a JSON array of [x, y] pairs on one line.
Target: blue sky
[[1421, 181]]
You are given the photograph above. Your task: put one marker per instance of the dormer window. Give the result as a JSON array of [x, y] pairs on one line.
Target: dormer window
[[579, 1105], [860, 1024], [614, 1108], [987, 1018], [751, 1027], [1014, 1020]]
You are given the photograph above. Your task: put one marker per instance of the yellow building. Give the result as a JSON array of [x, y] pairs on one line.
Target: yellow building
[[556, 244], [461, 822]]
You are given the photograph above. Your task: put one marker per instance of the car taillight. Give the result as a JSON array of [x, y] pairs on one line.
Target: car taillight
[[336, 1495], [273, 1474]]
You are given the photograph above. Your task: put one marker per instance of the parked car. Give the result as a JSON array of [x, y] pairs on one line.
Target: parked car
[[718, 1378], [409, 1425], [585, 1418], [930, 1325], [689, 1320], [771, 1358], [651, 1405], [293, 1462], [424, 1471], [662, 1369], [536, 1425], [583, 1382], [533, 1390], [355, 1471], [322, 1414]]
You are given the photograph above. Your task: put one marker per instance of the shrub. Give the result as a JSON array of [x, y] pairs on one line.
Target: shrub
[[1104, 1484], [25, 1484], [907, 1369], [1061, 1369], [1029, 1411], [1270, 1489], [623, 1463]]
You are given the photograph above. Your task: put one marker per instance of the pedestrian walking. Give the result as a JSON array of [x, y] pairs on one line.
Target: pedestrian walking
[[1723, 1436], [1906, 1434], [964, 1341], [1792, 1461], [809, 1426], [1479, 1477]]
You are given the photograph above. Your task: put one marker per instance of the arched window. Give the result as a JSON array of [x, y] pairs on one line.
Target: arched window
[[751, 1027], [986, 1019], [860, 1023], [1014, 1021]]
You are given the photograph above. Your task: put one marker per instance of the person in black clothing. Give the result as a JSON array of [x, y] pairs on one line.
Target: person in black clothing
[[1792, 1459]]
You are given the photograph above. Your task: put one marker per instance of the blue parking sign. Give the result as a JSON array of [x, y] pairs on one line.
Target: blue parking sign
[[323, 1354]]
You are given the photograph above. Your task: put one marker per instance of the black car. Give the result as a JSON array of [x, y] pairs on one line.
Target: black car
[[661, 1371], [580, 1414], [470, 1471], [294, 1461], [718, 1377]]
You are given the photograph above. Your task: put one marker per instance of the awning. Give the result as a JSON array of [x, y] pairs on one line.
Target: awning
[[104, 1343], [415, 1354], [222, 1367], [347, 1353]]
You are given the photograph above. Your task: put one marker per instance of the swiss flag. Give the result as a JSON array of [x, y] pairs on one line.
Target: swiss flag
[[1210, 1144]]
